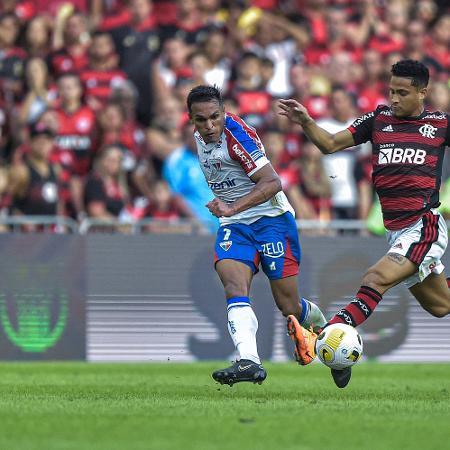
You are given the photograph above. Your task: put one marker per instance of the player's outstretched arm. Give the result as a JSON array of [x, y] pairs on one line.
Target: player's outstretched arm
[[326, 142]]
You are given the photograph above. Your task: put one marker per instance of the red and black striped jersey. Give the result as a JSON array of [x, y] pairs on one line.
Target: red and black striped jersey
[[99, 83], [407, 156]]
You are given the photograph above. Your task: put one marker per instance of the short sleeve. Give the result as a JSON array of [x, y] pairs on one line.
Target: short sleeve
[[244, 145], [362, 127]]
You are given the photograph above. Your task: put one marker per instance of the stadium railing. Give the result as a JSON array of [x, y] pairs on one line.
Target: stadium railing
[[179, 226], [61, 224], [53, 224]]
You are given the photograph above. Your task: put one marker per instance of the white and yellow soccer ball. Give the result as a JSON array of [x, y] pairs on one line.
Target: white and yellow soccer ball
[[339, 346]]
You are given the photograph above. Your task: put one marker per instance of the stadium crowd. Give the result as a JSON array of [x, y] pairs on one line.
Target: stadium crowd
[[92, 97]]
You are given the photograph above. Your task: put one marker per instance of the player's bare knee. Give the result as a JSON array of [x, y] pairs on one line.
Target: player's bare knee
[[235, 288], [439, 311]]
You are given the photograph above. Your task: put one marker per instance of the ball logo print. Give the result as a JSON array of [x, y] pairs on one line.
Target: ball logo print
[[339, 346]]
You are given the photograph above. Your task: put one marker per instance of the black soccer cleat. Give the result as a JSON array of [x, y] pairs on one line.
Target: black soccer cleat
[[341, 377], [243, 370]]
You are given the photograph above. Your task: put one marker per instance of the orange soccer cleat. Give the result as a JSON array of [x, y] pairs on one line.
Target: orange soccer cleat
[[304, 341]]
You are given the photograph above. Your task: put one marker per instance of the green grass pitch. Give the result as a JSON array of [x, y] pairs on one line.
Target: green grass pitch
[[46, 406]]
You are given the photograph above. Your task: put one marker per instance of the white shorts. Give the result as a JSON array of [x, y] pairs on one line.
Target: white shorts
[[423, 243]]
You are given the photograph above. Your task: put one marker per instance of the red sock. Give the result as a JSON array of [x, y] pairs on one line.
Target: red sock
[[359, 309]]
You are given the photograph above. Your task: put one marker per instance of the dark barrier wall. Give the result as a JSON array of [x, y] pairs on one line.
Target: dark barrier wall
[[42, 297], [156, 297]]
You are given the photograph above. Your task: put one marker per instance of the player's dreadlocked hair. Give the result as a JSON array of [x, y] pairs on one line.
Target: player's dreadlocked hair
[[204, 93], [415, 70]]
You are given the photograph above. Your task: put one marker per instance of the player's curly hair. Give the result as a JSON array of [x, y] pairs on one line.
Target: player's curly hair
[[203, 93], [415, 70]]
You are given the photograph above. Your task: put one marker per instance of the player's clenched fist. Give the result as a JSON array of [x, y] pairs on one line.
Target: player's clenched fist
[[294, 111], [219, 208]]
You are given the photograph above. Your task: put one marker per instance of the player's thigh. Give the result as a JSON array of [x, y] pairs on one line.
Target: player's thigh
[[433, 294], [285, 294], [279, 246], [388, 271], [235, 276]]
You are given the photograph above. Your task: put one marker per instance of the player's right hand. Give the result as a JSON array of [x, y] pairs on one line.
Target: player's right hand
[[294, 111]]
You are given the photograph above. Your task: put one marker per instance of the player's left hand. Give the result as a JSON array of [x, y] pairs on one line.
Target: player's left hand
[[220, 209]]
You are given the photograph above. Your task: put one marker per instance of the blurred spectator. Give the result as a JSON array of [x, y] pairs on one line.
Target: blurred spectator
[[279, 40], [102, 73], [315, 183], [70, 42], [76, 128], [106, 192], [253, 100], [289, 173], [173, 62], [11, 58], [302, 82], [182, 172], [188, 24], [416, 47], [439, 42], [438, 98], [165, 133], [162, 138], [33, 183], [342, 71], [214, 46], [37, 37], [199, 65], [425, 11], [137, 42], [338, 39], [163, 204], [39, 96], [372, 86], [390, 32], [125, 94], [115, 129], [342, 168], [138, 60]]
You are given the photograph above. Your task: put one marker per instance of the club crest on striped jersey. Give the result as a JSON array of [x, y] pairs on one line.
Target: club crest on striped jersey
[[225, 245], [428, 131]]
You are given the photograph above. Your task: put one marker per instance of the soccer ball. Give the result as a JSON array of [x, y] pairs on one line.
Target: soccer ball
[[339, 346]]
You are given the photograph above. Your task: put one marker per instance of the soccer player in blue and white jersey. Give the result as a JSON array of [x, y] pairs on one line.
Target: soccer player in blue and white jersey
[[408, 144], [257, 227]]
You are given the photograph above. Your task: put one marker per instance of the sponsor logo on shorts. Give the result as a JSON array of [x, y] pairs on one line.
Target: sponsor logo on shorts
[[273, 249]]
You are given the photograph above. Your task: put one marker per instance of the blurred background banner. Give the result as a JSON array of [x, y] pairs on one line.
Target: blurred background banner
[[157, 298], [42, 297]]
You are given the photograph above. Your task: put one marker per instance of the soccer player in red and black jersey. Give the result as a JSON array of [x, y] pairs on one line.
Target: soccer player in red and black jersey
[[408, 144]]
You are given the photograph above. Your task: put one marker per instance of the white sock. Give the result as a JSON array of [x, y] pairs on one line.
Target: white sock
[[242, 326]]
